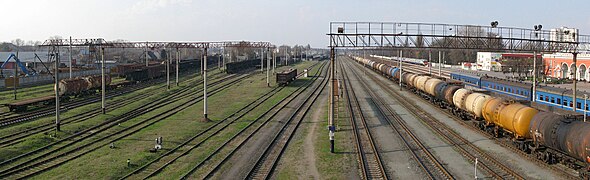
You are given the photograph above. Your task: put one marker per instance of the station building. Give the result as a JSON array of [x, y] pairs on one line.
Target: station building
[[489, 61], [561, 65]]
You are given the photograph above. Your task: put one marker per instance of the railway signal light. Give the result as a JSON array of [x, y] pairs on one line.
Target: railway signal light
[[494, 24]]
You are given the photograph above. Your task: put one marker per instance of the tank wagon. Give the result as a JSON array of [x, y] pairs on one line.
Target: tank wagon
[[549, 137], [547, 97]]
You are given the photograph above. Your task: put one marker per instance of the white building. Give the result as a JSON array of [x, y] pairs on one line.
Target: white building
[[489, 61]]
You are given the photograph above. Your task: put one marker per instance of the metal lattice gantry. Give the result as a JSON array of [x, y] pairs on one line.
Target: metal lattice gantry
[[55, 44], [452, 36], [111, 44]]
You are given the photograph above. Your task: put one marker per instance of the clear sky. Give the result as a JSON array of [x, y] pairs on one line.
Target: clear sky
[[278, 21]]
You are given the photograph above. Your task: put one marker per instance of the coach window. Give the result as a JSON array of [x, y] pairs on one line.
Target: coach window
[[565, 102], [578, 105], [547, 98], [540, 97], [571, 104], [558, 101]]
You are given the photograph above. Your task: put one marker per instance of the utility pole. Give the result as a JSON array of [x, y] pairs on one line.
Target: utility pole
[[202, 62], [575, 71], [439, 64], [168, 55], [331, 114], [267, 68], [55, 54], [262, 60], [585, 107], [177, 64], [14, 80], [401, 55], [70, 56], [205, 85], [222, 58], [430, 63], [146, 54], [534, 76], [230, 60], [274, 61], [102, 82]]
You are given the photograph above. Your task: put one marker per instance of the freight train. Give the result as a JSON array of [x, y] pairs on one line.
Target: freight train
[[67, 88], [74, 87], [236, 67], [81, 85], [547, 136], [140, 72], [546, 97]]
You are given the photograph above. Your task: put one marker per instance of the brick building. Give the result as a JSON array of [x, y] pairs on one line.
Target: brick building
[[560, 65]]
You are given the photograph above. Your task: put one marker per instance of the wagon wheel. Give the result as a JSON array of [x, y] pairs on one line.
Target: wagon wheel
[[526, 148], [548, 158], [496, 132], [540, 155]]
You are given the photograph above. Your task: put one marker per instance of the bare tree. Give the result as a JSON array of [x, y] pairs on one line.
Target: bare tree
[[55, 37], [18, 42]]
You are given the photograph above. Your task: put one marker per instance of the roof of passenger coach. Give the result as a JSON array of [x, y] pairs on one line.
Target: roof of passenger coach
[[520, 84], [466, 75]]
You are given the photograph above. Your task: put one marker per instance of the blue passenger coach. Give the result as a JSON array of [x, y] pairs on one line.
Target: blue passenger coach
[[470, 80]]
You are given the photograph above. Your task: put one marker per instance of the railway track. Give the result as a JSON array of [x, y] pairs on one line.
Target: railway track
[[13, 138], [489, 164], [155, 166], [268, 115], [54, 158], [371, 165], [509, 145], [266, 163], [561, 170], [19, 118], [433, 168], [15, 118]]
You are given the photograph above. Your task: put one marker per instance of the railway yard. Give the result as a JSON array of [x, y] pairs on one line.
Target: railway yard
[[370, 101], [271, 131]]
